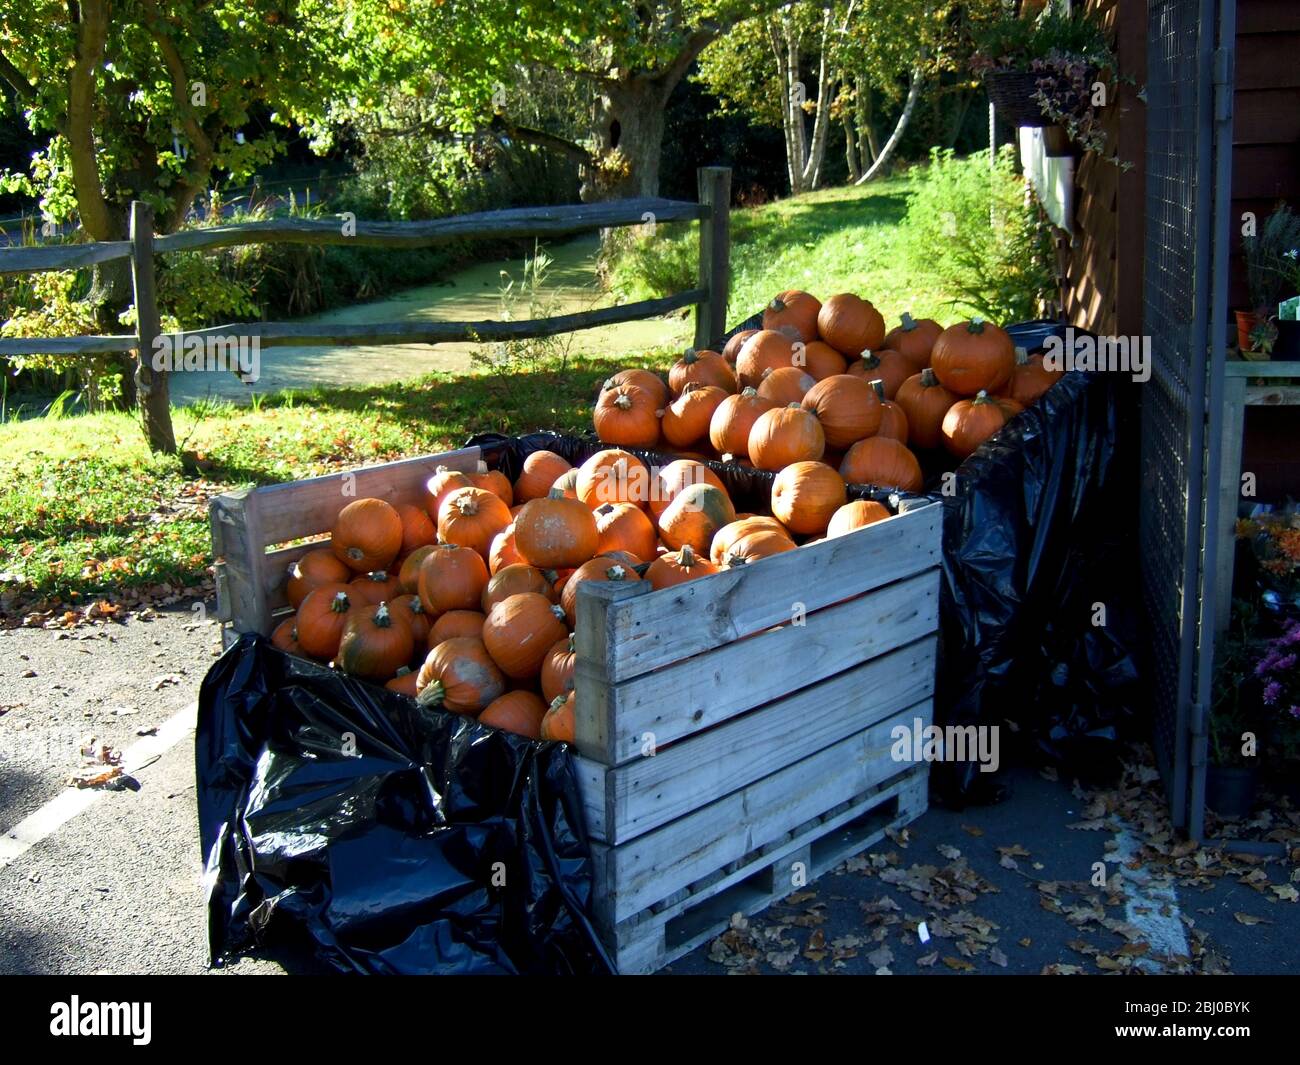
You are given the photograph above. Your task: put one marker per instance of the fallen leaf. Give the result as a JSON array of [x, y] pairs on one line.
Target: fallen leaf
[[948, 851], [927, 960], [1250, 920], [998, 958], [1286, 892], [972, 830], [881, 957], [959, 965]]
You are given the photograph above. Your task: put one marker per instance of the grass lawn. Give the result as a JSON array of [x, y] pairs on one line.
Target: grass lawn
[[86, 511]]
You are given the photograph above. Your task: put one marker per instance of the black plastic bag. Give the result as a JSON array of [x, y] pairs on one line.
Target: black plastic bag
[[398, 839]]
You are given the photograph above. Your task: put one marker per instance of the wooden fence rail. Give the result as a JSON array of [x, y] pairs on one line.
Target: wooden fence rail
[[709, 297]]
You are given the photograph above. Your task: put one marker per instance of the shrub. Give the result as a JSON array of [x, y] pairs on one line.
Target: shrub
[[977, 231]]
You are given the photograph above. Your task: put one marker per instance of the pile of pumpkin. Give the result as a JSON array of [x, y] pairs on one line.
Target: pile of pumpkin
[[469, 601], [825, 382]]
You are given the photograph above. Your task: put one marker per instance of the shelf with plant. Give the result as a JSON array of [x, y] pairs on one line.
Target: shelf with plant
[[1268, 327]]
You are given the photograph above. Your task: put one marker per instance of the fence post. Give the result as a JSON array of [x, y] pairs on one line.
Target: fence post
[[715, 254], [153, 392]]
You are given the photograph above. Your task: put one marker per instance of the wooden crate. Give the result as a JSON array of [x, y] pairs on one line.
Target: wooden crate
[[734, 732]]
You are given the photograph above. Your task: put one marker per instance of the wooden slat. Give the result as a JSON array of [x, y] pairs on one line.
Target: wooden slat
[[615, 720], [1265, 170], [61, 256], [714, 255], [275, 572], [1242, 368], [1272, 396], [307, 508], [652, 867], [1267, 16], [88, 345], [641, 795], [649, 631], [484, 225], [237, 516], [1266, 116], [1267, 61]]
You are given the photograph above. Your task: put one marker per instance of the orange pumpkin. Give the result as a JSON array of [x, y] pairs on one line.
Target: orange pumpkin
[[555, 532], [408, 576], [613, 476], [794, 311], [567, 484], [404, 683], [626, 415], [732, 348], [732, 420], [850, 324], [374, 644], [784, 435], [456, 623], [854, 515], [820, 360], [846, 408], [756, 546], [285, 637], [418, 529], [443, 482], [371, 588], [493, 481], [504, 551], [460, 676], [558, 667], [409, 609], [625, 527], [1029, 379], [318, 566], [878, 460], [520, 712], [974, 356], [367, 535], [511, 581], [742, 526], [884, 365], [924, 402], [969, 422], [765, 350], [893, 422], [686, 419], [914, 339], [677, 567], [452, 577], [539, 473], [670, 480], [701, 368], [601, 568], [520, 630], [805, 495], [646, 379], [785, 385], [471, 517], [321, 617], [694, 515], [560, 722]]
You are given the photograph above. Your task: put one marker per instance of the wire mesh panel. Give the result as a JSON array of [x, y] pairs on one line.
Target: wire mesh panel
[[1175, 289]]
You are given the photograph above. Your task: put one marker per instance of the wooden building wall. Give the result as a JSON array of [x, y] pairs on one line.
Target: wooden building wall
[[1266, 120], [1102, 285]]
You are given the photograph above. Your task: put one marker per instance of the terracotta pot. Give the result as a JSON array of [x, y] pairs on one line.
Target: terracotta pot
[[1246, 321], [1230, 789]]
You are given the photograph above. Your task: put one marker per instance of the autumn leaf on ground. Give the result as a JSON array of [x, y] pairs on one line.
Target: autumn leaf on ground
[[1061, 970], [1014, 851], [959, 965], [880, 958], [1008, 862], [1049, 773], [1286, 892], [927, 960], [1250, 920], [998, 958], [948, 851], [1024, 942], [972, 830]]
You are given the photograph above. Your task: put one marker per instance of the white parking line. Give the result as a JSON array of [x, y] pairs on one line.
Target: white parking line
[[1150, 904], [43, 823]]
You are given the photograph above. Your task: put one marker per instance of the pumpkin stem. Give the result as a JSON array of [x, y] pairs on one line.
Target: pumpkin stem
[[551, 575], [604, 509], [1022, 356], [383, 619], [557, 704], [616, 573], [928, 379], [976, 325], [794, 406], [981, 397], [736, 561], [777, 304], [749, 392], [623, 401], [467, 504], [378, 575], [690, 356], [340, 604], [415, 606], [869, 360], [431, 694], [558, 611], [909, 323], [686, 556], [356, 554], [482, 466], [878, 386], [403, 670], [555, 493]]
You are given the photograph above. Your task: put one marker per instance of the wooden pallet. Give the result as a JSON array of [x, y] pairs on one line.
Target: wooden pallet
[[727, 728]]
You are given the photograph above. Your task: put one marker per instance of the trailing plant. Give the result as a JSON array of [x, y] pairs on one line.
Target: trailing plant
[[1270, 255]]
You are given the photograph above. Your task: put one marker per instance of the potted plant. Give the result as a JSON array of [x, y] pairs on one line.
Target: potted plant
[[1277, 671], [1232, 777], [1270, 278], [1040, 66], [1274, 538]]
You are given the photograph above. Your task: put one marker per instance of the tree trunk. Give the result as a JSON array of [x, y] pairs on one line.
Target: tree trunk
[[913, 91], [850, 140], [817, 153], [869, 150], [959, 119], [629, 140]]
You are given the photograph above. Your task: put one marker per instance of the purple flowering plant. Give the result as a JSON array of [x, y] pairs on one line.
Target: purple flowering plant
[[1277, 669]]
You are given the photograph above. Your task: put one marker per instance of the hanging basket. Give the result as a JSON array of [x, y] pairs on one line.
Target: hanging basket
[[1012, 94]]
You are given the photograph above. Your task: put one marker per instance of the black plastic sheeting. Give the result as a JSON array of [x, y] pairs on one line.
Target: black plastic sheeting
[[397, 839]]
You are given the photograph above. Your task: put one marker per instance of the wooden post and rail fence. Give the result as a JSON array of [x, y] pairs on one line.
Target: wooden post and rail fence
[[709, 297]]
